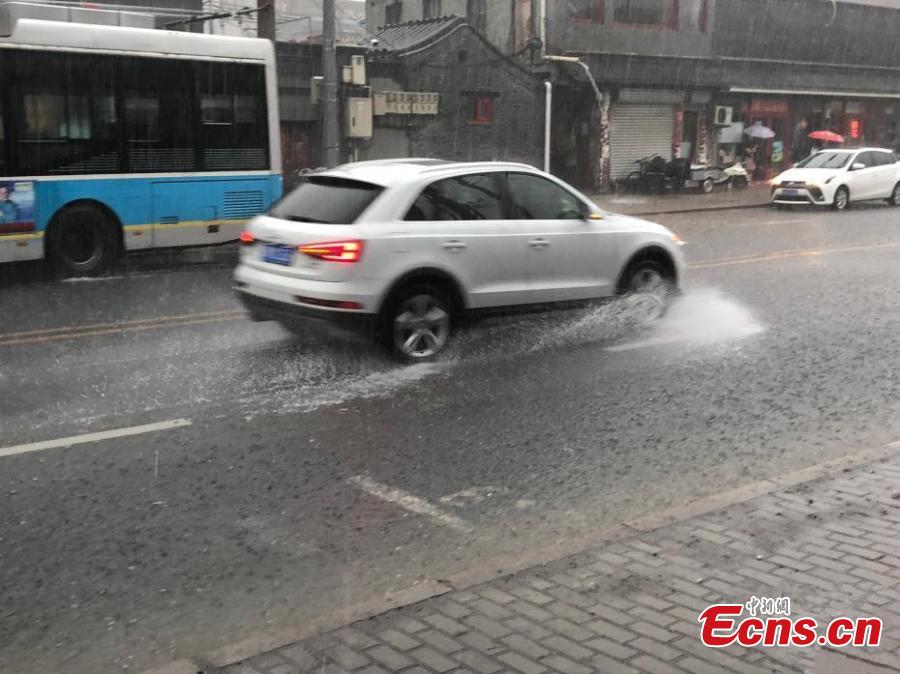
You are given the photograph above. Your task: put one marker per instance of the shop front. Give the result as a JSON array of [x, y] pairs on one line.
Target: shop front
[[671, 124], [772, 133]]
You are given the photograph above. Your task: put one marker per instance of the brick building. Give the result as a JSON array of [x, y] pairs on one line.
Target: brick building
[[488, 104], [686, 77]]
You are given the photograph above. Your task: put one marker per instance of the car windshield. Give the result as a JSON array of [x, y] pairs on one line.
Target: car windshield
[[449, 336], [826, 160], [326, 200]]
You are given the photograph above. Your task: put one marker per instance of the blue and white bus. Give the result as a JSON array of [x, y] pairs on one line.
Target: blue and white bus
[[114, 139]]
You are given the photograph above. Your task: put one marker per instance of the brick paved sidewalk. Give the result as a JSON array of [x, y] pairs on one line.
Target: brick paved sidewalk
[[832, 545]]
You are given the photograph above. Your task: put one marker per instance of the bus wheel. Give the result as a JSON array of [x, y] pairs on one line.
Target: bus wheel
[[83, 241]]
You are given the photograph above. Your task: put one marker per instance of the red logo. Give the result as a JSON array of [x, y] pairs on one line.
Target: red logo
[[722, 625]]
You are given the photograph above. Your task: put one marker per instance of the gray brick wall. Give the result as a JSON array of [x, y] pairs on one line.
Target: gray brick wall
[[516, 133]]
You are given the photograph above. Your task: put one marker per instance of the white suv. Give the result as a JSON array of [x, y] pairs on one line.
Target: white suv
[[407, 247]]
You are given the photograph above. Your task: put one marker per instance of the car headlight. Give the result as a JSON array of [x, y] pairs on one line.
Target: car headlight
[[775, 182], [678, 240]]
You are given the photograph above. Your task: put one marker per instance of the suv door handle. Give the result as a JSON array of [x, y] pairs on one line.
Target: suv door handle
[[539, 243], [454, 245]]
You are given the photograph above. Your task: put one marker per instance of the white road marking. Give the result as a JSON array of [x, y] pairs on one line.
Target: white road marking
[[410, 502], [776, 222], [94, 437], [472, 495]]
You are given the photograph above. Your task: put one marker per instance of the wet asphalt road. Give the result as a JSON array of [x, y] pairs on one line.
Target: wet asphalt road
[[274, 504]]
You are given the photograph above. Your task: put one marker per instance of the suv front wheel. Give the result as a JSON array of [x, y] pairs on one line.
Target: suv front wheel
[[417, 323], [648, 288]]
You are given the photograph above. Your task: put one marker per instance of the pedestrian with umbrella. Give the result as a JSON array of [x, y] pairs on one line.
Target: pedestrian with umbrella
[[755, 160], [827, 137]]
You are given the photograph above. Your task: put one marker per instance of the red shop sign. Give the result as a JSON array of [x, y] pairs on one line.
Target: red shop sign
[[768, 106]]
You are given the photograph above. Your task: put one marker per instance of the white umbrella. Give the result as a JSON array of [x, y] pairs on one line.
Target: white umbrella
[[759, 131]]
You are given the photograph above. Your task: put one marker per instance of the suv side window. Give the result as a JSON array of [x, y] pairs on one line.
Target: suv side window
[[885, 158], [536, 198], [470, 197]]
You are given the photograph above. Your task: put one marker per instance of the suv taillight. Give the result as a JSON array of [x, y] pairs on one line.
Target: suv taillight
[[334, 251]]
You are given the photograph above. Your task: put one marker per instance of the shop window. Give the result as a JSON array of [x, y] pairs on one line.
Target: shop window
[[482, 110], [646, 13], [587, 11], [431, 9], [393, 13]]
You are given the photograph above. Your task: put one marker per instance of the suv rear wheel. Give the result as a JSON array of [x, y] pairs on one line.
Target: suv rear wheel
[[417, 323]]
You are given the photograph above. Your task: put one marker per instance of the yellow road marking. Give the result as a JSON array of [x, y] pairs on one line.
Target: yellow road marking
[[73, 332], [748, 259]]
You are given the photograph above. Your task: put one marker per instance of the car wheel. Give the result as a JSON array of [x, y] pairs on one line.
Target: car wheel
[[83, 242], [895, 196], [841, 198], [417, 323], [649, 288], [707, 185], [739, 182]]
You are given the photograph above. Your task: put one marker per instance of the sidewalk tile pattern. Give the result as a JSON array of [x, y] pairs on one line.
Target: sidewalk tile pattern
[[831, 545]]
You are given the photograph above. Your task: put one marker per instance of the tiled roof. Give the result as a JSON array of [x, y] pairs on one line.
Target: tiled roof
[[405, 37]]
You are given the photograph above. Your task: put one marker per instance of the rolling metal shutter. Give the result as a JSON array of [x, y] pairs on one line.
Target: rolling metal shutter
[[636, 131]]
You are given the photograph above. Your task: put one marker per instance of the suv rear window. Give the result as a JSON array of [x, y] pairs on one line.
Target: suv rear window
[[326, 200]]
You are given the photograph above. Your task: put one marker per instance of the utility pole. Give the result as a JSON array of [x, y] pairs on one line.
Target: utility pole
[[265, 19], [330, 142]]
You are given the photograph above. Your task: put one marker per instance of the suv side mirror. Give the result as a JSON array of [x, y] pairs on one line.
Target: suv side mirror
[[857, 166]]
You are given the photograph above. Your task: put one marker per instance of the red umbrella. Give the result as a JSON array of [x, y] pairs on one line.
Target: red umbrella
[[827, 136]]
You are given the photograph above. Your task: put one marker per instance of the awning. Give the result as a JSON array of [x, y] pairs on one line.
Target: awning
[[801, 92]]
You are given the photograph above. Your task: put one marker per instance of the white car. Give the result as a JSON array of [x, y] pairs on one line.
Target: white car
[[837, 177], [407, 247]]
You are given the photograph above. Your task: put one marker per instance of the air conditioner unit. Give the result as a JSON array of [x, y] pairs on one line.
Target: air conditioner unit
[[723, 115]]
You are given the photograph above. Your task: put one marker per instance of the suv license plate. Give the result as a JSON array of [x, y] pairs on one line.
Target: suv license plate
[[790, 193], [276, 254]]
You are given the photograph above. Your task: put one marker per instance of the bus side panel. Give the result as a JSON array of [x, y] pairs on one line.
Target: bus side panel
[[127, 198], [198, 211], [20, 247], [153, 212]]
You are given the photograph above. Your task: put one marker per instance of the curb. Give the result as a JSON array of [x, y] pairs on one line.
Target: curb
[[504, 566], [701, 209]]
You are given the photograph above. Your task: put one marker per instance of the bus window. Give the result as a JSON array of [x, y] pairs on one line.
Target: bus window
[[68, 118], [233, 113], [159, 128]]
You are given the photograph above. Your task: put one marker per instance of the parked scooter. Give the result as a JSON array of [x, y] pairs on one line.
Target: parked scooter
[[735, 176]]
